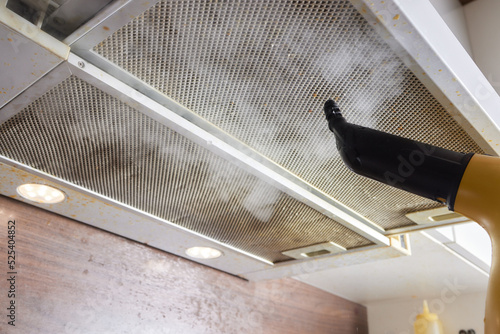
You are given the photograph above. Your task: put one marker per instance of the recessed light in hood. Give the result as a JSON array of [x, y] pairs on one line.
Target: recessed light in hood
[[41, 193], [204, 253]]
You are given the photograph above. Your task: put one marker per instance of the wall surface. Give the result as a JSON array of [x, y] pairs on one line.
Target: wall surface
[[484, 31], [72, 278], [455, 310], [453, 14]]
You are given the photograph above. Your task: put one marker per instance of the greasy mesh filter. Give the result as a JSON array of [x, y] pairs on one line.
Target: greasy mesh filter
[[262, 72], [82, 135]]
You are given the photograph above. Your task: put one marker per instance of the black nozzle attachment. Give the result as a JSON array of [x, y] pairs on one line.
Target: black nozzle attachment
[[419, 168]]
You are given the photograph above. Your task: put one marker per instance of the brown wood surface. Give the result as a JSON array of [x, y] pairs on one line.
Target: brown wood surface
[[73, 278]]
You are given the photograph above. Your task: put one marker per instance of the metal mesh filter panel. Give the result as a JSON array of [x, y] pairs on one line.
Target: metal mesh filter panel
[[262, 73], [82, 135]]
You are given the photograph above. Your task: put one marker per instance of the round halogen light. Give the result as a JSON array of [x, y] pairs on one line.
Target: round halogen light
[[203, 253], [41, 193]]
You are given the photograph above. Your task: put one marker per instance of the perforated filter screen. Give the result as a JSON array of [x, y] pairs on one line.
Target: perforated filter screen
[[261, 72], [82, 135]]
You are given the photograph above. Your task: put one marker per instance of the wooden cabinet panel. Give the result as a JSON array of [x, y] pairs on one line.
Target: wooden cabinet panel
[[72, 278]]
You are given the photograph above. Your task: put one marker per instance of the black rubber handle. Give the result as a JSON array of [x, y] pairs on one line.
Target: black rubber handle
[[419, 168]]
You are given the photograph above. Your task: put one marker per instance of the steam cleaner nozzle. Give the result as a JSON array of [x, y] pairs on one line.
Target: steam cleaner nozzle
[[419, 168], [332, 109]]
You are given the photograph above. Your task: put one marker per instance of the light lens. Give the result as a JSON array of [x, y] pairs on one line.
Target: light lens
[[203, 253], [41, 193]]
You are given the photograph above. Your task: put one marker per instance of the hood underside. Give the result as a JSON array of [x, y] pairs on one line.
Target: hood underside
[[207, 117]]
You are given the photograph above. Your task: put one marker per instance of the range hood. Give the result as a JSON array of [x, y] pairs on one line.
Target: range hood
[[195, 123]]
